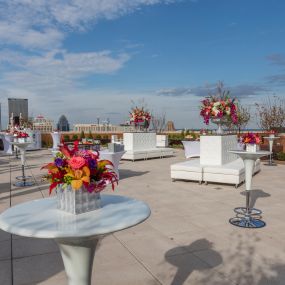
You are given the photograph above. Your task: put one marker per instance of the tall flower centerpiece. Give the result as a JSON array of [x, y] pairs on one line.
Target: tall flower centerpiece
[[140, 118], [272, 133], [220, 110], [78, 176], [251, 141]]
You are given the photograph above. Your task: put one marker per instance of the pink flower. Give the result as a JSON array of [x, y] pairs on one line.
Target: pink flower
[[76, 162]]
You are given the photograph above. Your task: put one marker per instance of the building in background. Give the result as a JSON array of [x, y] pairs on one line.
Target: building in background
[[18, 108], [170, 126], [42, 124], [95, 128], [63, 124]]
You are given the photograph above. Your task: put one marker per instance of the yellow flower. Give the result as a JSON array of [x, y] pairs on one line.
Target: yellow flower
[[79, 176]]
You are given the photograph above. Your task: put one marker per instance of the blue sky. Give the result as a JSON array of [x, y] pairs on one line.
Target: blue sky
[[90, 58]]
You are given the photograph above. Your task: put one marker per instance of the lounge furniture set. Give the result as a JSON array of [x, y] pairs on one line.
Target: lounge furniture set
[[215, 164]]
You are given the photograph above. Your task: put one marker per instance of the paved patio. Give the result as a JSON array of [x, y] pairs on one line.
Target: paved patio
[[187, 239]]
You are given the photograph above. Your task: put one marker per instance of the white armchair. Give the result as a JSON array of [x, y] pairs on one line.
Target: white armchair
[[191, 148]]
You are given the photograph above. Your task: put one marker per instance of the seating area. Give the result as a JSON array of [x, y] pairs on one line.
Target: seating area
[[142, 145]]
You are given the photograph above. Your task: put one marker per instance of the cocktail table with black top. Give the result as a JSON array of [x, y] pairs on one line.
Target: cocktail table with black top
[[248, 217], [76, 235]]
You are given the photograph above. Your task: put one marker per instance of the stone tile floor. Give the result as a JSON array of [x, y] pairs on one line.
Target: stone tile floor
[[187, 239]]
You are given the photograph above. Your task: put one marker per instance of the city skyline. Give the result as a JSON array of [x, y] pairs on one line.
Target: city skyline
[[89, 59]]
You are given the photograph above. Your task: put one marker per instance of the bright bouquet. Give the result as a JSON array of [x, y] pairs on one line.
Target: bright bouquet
[[80, 168], [272, 132], [139, 115], [21, 134], [251, 138], [215, 107]]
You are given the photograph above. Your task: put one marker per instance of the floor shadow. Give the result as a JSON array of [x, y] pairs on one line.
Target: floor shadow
[[255, 195], [126, 173], [244, 263], [187, 263]]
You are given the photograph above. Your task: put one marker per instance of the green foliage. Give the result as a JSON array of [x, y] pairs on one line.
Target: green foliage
[[82, 135], [281, 156], [75, 137], [183, 134], [187, 133], [90, 135], [66, 138]]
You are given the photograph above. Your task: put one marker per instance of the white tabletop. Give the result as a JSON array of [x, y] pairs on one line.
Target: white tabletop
[[271, 138], [41, 218], [250, 154]]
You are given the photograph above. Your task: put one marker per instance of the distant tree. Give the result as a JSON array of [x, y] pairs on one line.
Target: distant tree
[[182, 134], [187, 133], [158, 123], [271, 113], [66, 138], [90, 135], [82, 135], [75, 137], [243, 117]]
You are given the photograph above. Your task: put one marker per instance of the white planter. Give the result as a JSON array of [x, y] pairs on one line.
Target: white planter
[[77, 201], [252, 147]]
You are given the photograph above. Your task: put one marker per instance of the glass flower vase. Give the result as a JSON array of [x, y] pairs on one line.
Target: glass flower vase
[[77, 201], [220, 122], [252, 147]]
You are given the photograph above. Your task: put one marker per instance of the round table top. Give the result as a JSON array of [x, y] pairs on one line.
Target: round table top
[[250, 154], [41, 218], [21, 144], [271, 138]]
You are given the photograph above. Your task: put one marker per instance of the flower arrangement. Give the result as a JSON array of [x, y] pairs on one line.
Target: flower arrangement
[[251, 138], [219, 107], [21, 134], [272, 132], [80, 168], [139, 115]]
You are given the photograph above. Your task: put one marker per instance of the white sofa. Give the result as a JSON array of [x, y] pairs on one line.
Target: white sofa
[[229, 173], [187, 170], [143, 146], [6, 139], [162, 140], [191, 148]]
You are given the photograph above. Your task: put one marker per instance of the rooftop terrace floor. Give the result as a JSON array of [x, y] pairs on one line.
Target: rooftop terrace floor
[[186, 240]]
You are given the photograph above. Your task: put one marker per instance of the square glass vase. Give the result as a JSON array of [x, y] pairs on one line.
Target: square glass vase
[[22, 140], [77, 201], [252, 147]]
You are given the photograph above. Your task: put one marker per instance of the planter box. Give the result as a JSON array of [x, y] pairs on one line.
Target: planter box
[[252, 147], [77, 201]]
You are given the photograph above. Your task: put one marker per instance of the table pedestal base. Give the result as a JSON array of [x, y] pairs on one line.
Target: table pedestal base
[[249, 222], [23, 179], [78, 256]]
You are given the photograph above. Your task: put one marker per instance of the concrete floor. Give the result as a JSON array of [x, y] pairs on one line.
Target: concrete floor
[[187, 239]]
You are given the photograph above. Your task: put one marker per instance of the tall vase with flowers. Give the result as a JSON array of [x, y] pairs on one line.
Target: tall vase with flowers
[[220, 109], [140, 118], [78, 176]]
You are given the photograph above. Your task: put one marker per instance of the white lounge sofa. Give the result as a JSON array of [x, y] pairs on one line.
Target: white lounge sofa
[[187, 170], [143, 146], [191, 148], [229, 173]]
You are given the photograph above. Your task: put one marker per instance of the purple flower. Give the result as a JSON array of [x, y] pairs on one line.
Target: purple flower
[[92, 163], [58, 162]]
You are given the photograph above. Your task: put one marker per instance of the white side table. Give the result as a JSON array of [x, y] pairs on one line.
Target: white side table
[[248, 217], [22, 147], [271, 140], [114, 157], [76, 235]]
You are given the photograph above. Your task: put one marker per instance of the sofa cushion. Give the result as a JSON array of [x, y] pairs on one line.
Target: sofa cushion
[[235, 167], [192, 165]]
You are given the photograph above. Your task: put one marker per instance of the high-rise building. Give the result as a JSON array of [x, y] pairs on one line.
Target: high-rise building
[[0, 118], [18, 108], [63, 124]]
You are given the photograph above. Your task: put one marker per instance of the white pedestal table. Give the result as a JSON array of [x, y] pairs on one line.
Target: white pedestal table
[[248, 217], [22, 146], [271, 140], [76, 235]]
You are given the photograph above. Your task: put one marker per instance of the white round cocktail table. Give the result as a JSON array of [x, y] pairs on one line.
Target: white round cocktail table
[[271, 140], [22, 146], [76, 235], [248, 217]]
